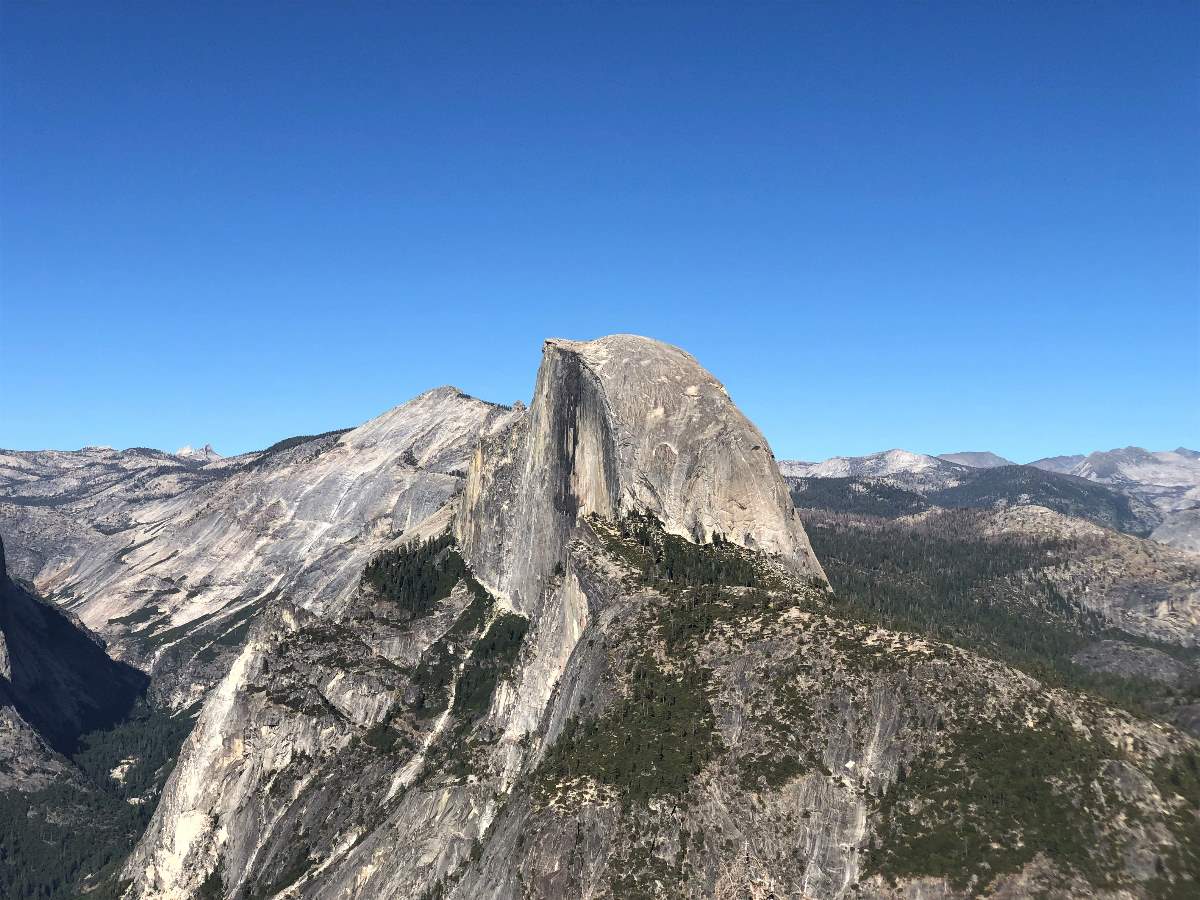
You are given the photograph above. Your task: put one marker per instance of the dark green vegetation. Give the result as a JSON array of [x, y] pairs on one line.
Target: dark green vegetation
[[289, 443], [381, 737], [205, 638], [650, 743], [91, 710], [140, 616], [859, 496], [978, 489], [417, 575], [473, 656], [436, 670], [943, 579], [297, 862], [150, 737], [656, 737], [51, 839], [984, 797], [213, 887], [705, 583], [787, 735], [990, 799], [1180, 778], [991, 796], [490, 660], [234, 631], [1071, 496], [669, 563]]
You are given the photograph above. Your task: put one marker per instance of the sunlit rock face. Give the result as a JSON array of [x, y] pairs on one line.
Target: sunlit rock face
[[634, 684], [170, 558], [621, 424]]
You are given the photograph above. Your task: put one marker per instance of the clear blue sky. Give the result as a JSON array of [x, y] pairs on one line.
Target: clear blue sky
[[938, 226]]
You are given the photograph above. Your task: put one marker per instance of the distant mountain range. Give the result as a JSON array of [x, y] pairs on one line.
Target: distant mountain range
[[1130, 489]]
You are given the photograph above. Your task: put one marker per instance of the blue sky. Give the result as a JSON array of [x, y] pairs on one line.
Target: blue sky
[[937, 226]]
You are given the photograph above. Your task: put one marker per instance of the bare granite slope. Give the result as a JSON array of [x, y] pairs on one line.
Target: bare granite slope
[[170, 558], [617, 425], [620, 674]]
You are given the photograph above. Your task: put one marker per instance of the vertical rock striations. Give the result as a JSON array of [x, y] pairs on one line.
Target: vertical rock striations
[[618, 425], [171, 568], [622, 676]]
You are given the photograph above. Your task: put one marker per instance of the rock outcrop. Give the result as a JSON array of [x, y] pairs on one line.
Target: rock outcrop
[[618, 425], [976, 459], [1137, 585], [620, 674], [1168, 480], [171, 558]]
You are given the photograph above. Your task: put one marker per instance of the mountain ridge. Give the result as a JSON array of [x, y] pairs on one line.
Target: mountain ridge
[[586, 648], [1163, 486], [976, 459], [608, 687], [171, 565]]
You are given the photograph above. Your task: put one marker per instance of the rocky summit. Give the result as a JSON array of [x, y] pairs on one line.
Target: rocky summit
[[588, 649]]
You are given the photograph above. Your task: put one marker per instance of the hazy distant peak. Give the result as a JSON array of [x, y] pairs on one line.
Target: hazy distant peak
[[1061, 464], [886, 462], [977, 459]]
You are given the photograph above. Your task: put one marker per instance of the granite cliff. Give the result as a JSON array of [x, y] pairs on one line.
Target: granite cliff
[[170, 558], [612, 667]]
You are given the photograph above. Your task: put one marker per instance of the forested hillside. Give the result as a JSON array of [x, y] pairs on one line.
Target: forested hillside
[[950, 576]]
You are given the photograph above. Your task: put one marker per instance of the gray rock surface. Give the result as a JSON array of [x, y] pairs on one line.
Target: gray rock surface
[[1180, 529], [899, 468], [977, 459], [27, 762], [1060, 464], [170, 558], [752, 734], [1167, 479], [1138, 585], [621, 424], [1130, 660]]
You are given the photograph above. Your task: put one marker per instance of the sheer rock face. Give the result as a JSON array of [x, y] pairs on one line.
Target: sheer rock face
[[621, 424], [769, 726], [169, 559], [56, 682], [616, 425], [281, 790]]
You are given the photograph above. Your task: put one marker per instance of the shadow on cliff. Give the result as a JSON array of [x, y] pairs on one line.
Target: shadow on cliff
[[56, 675]]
